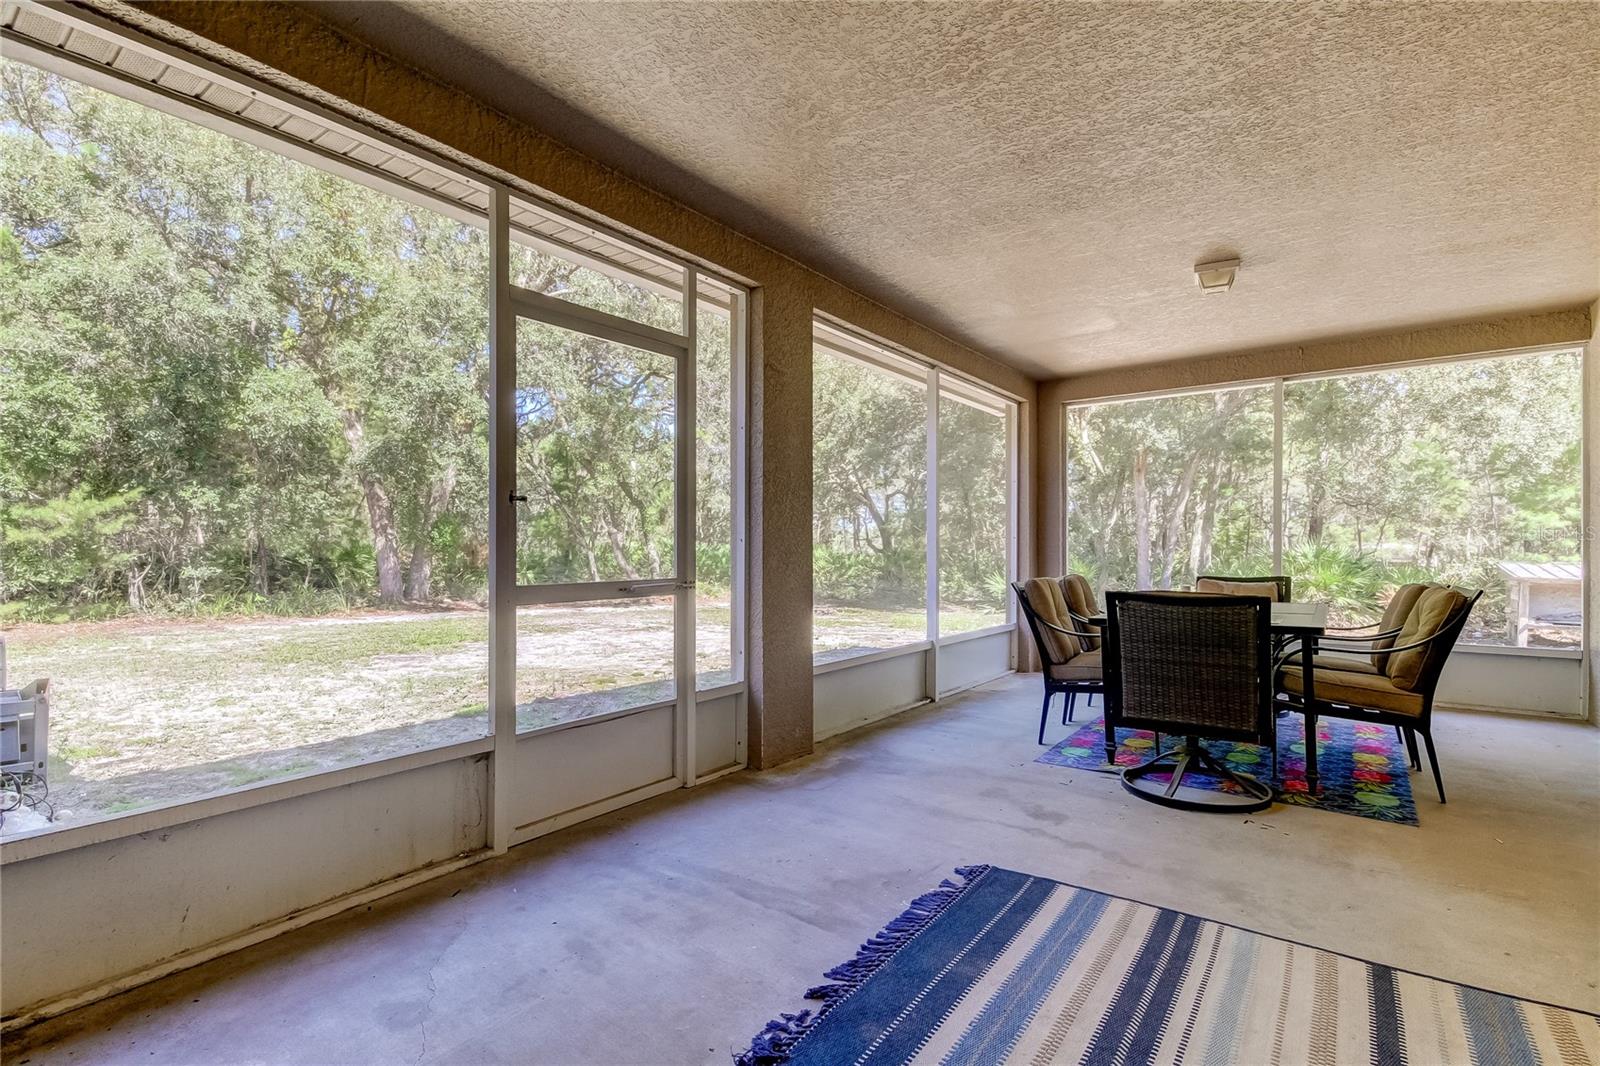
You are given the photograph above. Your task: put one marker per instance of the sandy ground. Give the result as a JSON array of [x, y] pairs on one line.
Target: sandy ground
[[145, 712]]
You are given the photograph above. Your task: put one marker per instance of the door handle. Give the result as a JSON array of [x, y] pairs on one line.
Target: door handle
[[517, 497]]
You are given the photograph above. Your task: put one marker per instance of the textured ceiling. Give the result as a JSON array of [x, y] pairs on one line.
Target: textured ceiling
[[1039, 179]]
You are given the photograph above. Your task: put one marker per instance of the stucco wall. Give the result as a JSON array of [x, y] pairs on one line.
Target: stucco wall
[[1515, 331], [290, 46]]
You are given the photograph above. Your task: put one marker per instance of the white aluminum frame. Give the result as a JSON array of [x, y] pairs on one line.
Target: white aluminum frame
[[931, 527], [1013, 506], [502, 521], [486, 201], [1279, 486], [739, 497], [580, 319], [686, 493], [1280, 483]]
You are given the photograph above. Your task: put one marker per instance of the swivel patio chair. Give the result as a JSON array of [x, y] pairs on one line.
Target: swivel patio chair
[[1388, 677], [1200, 666], [1068, 648]]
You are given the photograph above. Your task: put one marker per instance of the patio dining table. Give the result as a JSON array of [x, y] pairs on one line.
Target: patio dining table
[[1305, 623]]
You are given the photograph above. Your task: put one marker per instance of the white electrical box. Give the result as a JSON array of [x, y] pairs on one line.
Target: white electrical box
[[25, 729]]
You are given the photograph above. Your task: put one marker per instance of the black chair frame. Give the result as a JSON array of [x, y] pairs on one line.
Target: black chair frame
[[1052, 685], [1405, 725], [1192, 754]]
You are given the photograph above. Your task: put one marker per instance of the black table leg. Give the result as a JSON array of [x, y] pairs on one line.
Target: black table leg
[[1308, 654]]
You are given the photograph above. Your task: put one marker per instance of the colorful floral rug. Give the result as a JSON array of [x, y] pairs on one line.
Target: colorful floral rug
[[1363, 768]]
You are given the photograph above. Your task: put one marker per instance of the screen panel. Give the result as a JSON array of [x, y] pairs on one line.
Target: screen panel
[[596, 426], [869, 484]]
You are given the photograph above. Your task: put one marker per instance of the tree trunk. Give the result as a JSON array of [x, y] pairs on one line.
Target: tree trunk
[[260, 570], [1200, 511], [1174, 531], [419, 576], [136, 595], [885, 538], [199, 533], [1103, 563], [1141, 521], [380, 517], [1314, 498], [643, 511], [619, 553], [1208, 522]]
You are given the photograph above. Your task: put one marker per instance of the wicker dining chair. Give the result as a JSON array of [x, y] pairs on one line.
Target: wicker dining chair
[[1388, 677], [1069, 653], [1198, 666], [1276, 586]]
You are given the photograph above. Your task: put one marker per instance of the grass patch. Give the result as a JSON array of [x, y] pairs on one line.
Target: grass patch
[[18, 611], [337, 645], [75, 753], [238, 775]]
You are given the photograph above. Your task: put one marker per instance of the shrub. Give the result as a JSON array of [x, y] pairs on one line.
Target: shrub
[[70, 547], [1352, 583]]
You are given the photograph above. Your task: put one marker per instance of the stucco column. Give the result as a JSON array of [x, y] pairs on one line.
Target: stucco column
[[1027, 531], [779, 666], [1050, 488], [1046, 554]]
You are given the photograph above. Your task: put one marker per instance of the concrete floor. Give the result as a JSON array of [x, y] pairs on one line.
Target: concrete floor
[[670, 932]]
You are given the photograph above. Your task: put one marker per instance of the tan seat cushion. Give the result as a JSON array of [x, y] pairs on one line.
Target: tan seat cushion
[[1080, 597], [1360, 689], [1084, 667], [1433, 609], [1350, 662], [1269, 589], [1044, 596]]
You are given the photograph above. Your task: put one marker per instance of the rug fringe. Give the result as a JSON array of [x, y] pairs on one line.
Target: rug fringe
[[776, 1042]]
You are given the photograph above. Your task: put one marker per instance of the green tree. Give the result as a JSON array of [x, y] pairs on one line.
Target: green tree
[[256, 348]]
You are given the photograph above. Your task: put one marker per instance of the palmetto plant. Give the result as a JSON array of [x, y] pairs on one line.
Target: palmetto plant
[[1349, 582]]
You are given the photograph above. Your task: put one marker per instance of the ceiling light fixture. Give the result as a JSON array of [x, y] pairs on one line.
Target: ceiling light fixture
[[1217, 276]]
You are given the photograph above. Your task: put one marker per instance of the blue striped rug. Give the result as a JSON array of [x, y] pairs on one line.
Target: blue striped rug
[[1003, 967]]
